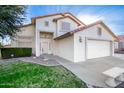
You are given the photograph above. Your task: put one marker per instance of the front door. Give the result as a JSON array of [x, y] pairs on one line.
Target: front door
[[45, 46]]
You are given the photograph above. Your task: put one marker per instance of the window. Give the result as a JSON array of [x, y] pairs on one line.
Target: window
[[99, 31], [65, 26], [46, 23]]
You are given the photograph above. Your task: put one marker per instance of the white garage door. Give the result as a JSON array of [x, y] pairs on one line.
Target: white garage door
[[96, 49]]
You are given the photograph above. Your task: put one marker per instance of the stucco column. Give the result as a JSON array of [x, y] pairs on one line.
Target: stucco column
[[37, 43], [85, 43]]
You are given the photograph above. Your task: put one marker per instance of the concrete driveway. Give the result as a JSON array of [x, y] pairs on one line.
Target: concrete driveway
[[90, 71], [121, 56], [95, 67]]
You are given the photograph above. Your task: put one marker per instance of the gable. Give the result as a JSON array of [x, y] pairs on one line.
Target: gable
[[107, 32], [72, 23], [71, 15], [52, 25], [72, 26], [92, 32], [68, 17]]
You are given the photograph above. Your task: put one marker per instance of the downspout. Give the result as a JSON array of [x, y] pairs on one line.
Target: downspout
[[85, 48]]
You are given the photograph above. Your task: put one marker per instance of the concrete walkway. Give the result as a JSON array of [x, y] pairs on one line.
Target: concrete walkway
[[90, 71], [40, 60]]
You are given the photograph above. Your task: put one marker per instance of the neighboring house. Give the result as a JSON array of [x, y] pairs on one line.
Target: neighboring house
[[66, 36], [121, 42], [116, 46], [7, 46]]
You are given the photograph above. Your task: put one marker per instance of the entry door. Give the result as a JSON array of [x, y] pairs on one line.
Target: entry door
[[96, 49], [44, 47]]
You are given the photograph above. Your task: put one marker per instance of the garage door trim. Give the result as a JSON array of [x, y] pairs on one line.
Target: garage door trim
[[98, 39], [86, 45]]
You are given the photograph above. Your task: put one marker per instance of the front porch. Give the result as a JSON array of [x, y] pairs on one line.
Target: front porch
[[44, 43]]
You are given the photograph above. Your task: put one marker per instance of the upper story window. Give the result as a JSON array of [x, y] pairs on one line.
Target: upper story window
[[99, 32], [65, 26], [46, 23]]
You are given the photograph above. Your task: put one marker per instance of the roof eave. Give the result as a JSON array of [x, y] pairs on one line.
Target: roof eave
[[63, 36], [26, 25]]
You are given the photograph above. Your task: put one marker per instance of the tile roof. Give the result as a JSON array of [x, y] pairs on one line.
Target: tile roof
[[121, 37]]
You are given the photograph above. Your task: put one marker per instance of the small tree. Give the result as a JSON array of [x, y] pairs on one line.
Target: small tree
[[1, 45], [10, 18]]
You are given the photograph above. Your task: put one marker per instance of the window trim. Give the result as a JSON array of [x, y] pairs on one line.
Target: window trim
[[46, 23]]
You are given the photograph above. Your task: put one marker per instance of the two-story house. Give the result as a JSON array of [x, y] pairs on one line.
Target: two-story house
[[66, 36]]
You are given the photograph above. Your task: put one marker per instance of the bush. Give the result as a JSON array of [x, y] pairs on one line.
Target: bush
[[15, 52]]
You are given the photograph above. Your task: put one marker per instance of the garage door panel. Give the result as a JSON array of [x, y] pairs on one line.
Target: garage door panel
[[96, 49]]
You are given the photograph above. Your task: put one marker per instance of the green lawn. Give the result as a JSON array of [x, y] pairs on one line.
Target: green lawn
[[22, 74]]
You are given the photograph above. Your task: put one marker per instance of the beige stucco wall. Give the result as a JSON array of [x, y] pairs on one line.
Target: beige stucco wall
[[65, 48], [27, 31], [79, 48], [52, 25], [73, 26]]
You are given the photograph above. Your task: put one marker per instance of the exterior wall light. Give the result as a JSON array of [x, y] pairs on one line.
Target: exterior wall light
[[80, 39]]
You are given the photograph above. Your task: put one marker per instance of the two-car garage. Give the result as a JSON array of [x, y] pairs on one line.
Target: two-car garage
[[87, 43], [98, 48]]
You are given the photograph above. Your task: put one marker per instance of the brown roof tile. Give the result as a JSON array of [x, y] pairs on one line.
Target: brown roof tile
[[121, 37]]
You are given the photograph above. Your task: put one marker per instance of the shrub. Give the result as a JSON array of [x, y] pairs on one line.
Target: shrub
[[15, 52]]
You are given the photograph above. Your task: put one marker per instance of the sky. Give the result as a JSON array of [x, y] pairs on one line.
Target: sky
[[112, 16]]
